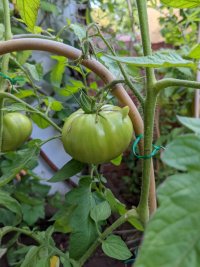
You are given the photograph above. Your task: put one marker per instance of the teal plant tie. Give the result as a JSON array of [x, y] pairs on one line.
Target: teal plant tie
[[152, 154], [13, 81]]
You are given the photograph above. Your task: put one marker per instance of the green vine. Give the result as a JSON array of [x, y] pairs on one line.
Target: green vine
[[42, 115], [7, 36], [126, 77], [5, 62], [1, 123], [121, 220], [169, 82], [149, 109]]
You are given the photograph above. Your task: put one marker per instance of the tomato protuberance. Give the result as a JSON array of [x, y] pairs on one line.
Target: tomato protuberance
[[96, 139], [17, 129]]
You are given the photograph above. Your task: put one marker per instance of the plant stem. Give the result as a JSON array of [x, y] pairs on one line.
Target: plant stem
[[7, 25], [7, 95], [50, 139], [131, 16], [112, 84], [1, 123], [30, 35], [146, 43], [169, 82], [149, 110], [5, 62], [107, 232], [197, 92], [7, 36], [28, 77], [128, 81], [22, 231]]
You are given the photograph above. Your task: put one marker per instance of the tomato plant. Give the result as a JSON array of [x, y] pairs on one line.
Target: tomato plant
[[94, 134], [17, 129], [99, 137]]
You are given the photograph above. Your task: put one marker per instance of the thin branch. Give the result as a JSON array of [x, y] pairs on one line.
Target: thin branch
[[170, 82], [28, 77], [31, 35], [7, 95], [1, 123], [197, 93], [121, 220], [128, 81]]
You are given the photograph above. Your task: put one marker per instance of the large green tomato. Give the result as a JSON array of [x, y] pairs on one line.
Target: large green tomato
[[96, 139], [16, 130]]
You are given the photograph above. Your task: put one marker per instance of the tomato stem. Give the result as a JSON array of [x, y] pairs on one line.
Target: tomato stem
[[7, 36], [121, 220], [126, 77], [149, 110], [7, 95], [169, 82], [1, 123]]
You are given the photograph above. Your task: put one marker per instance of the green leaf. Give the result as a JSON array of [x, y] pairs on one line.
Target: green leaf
[[62, 218], [58, 70], [24, 197], [94, 86], [25, 93], [181, 3], [31, 213], [49, 7], [22, 162], [79, 31], [56, 105], [195, 52], [183, 153], [28, 10], [35, 257], [32, 70], [156, 60], [172, 237], [65, 263], [11, 204], [111, 65], [53, 104], [191, 123], [115, 204], [72, 88], [117, 161], [120, 208], [83, 227], [7, 217], [16, 107], [23, 56], [116, 248], [101, 212], [41, 123], [71, 168]]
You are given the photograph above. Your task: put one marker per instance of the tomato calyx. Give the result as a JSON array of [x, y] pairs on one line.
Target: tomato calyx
[[89, 104]]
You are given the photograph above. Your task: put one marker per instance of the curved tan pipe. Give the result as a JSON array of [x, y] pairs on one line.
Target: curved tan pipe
[[73, 54]]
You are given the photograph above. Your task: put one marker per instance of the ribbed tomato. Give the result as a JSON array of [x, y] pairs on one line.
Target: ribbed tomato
[[96, 139], [16, 130]]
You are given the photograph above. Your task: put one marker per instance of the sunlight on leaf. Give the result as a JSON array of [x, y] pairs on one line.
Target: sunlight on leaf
[[28, 10]]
